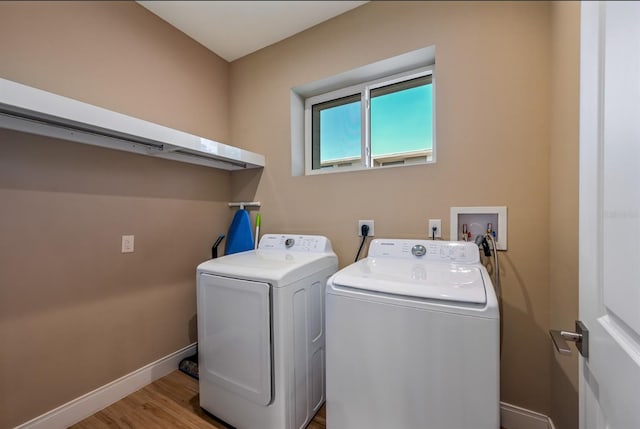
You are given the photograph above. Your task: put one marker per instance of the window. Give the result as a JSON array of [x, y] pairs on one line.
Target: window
[[388, 121]]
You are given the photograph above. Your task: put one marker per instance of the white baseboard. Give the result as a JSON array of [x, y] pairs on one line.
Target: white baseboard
[[80, 408], [513, 417]]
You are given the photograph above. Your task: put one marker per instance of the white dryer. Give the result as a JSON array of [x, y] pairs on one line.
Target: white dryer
[[413, 339], [261, 339]]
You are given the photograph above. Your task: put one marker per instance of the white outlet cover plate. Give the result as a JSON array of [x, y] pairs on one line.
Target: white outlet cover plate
[[438, 224], [127, 243], [372, 231]]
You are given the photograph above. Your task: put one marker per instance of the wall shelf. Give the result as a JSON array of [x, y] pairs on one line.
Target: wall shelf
[[31, 110]]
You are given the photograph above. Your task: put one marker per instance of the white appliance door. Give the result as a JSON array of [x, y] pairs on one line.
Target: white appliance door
[[235, 336], [610, 214], [396, 367]]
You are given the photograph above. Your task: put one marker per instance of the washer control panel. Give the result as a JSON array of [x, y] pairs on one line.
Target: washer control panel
[[430, 250], [295, 243]]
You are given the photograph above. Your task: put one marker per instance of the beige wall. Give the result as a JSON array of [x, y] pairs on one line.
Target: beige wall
[[563, 196], [119, 56], [75, 313], [493, 124]]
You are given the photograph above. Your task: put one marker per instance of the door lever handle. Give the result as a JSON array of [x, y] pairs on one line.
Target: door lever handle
[[560, 340], [580, 337]]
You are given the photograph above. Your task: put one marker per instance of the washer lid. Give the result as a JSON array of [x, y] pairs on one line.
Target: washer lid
[[429, 280]]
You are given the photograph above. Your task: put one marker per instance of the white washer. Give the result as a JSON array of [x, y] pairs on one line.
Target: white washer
[[413, 339], [261, 332]]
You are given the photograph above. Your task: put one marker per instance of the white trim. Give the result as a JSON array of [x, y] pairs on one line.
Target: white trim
[[297, 135], [398, 64], [514, 417], [82, 407]]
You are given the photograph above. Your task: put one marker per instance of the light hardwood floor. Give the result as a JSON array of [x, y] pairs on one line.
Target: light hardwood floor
[[171, 402]]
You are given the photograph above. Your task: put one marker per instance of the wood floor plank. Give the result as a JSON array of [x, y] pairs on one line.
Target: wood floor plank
[[171, 402]]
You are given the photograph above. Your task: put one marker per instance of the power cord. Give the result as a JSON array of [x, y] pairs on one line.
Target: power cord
[[496, 269], [364, 230], [483, 241]]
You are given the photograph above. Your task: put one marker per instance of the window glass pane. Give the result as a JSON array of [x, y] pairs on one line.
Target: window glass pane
[[402, 122], [337, 132]]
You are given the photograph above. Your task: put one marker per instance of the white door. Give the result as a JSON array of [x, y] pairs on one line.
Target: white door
[[610, 214]]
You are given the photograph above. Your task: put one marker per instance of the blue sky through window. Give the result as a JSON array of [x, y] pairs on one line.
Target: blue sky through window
[[340, 132], [401, 121]]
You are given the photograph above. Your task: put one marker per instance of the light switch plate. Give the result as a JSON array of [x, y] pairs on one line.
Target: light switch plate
[[127, 243]]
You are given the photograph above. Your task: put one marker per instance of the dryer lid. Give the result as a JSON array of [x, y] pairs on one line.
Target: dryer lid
[[427, 280], [275, 267]]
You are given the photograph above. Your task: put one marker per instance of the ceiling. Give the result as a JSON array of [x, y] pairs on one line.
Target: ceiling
[[233, 29]]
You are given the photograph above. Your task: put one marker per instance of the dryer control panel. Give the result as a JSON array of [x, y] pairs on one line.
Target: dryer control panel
[[447, 251], [295, 243]]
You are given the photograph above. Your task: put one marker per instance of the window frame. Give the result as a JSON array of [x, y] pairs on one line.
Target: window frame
[[364, 89]]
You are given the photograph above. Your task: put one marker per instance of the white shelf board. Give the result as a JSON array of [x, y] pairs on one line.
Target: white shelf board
[[31, 110]]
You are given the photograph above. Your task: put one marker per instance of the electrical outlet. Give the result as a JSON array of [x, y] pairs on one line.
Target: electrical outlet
[[437, 224], [127, 243], [369, 223]]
